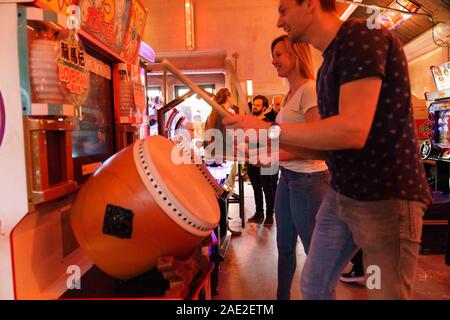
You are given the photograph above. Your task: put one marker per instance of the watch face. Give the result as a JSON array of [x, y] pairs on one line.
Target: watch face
[[274, 131]]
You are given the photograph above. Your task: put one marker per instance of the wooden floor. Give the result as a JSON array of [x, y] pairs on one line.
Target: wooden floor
[[250, 267]]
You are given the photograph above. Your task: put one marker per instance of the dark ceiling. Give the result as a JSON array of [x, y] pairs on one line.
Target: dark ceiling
[[417, 24]]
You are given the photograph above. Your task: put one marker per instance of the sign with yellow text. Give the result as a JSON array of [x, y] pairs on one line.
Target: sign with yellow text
[[72, 70]]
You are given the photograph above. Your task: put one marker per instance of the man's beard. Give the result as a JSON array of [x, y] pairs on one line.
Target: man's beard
[[257, 113]]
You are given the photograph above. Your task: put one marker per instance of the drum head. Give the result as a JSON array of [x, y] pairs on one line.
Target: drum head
[[180, 189]]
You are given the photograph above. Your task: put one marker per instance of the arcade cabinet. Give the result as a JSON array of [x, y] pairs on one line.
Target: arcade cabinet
[[57, 126], [435, 151]]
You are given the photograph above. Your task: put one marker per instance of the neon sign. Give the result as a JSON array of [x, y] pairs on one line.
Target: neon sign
[[72, 70]]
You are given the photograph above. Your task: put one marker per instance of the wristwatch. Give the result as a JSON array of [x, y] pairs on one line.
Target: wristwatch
[[274, 131]]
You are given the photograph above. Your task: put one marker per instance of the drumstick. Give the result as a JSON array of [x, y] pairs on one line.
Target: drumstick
[[170, 67], [242, 104]]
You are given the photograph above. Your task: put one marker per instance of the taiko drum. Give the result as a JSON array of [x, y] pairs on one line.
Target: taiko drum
[[139, 206]]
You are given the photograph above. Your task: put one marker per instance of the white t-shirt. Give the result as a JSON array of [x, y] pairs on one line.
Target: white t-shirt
[[293, 111]]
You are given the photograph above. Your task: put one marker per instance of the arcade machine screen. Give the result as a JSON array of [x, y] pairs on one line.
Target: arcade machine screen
[[441, 76], [442, 130], [93, 135]]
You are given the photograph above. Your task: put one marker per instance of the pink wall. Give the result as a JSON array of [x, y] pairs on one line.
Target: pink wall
[[244, 27]]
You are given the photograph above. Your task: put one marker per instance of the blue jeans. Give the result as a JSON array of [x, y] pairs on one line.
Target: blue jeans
[[387, 231], [297, 201]]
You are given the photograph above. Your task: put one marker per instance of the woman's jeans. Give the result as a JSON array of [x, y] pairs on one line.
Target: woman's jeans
[[387, 231], [297, 201]]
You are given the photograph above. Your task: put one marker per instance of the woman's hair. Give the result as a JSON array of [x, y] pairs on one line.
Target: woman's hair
[[220, 97], [300, 53]]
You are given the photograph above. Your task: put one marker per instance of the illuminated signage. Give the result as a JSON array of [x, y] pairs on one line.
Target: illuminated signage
[[72, 71]]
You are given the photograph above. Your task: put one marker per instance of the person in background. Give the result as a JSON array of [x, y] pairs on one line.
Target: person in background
[[259, 105], [272, 112], [223, 97], [261, 183], [277, 101]]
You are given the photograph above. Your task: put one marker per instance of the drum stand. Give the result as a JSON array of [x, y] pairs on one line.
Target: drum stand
[[179, 273], [239, 198], [171, 279]]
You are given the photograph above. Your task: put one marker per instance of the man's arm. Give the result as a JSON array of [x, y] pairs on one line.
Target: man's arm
[[347, 130]]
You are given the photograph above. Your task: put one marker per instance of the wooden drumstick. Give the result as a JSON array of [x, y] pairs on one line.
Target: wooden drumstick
[[242, 103], [219, 109]]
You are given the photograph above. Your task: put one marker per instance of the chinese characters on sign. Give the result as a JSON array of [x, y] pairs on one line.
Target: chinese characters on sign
[[71, 68]]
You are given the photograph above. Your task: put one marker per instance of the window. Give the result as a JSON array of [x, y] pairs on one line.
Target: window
[[182, 89], [154, 91]]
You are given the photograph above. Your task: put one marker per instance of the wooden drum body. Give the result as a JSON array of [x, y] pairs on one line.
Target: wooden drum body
[[140, 206]]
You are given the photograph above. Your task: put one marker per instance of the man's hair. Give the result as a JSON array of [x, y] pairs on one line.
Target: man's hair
[[326, 5], [264, 100], [277, 96]]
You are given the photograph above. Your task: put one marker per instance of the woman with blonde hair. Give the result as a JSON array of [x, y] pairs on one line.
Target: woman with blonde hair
[[302, 183]]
